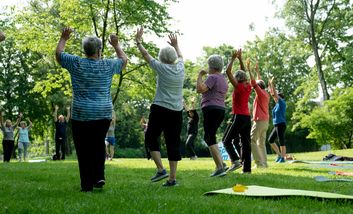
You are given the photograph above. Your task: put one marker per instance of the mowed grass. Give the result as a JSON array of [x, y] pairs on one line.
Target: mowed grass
[[53, 187]]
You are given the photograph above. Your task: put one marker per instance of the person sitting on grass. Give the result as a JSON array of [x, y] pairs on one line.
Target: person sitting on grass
[[8, 141], [279, 122], [166, 110], [241, 124], [192, 128], [23, 138], [213, 90], [92, 106]]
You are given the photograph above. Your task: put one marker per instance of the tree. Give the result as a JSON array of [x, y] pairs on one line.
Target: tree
[[332, 123], [319, 23]]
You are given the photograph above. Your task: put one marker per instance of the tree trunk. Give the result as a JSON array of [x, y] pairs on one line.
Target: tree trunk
[[315, 48]]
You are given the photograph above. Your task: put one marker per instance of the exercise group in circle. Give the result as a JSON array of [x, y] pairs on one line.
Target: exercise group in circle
[[93, 118]]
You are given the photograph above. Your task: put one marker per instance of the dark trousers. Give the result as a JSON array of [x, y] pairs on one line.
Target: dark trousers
[[7, 146], [169, 122], [236, 140], [241, 126], [60, 146], [190, 143], [278, 132], [89, 140], [212, 119]]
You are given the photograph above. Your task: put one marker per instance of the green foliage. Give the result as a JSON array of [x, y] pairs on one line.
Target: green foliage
[[332, 122], [129, 153]]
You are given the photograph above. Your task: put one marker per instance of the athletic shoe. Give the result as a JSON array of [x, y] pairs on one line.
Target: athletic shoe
[[193, 157], [277, 159], [225, 167], [99, 184], [219, 173], [281, 160], [159, 175], [235, 165], [170, 183]]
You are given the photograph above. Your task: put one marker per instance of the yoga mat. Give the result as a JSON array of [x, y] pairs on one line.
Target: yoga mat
[[261, 191], [321, 162], [331, 166], [341, 173], [326, 179], [36, 161]]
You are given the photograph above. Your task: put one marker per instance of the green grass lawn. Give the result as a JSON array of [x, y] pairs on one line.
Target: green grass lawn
[[53, 187]]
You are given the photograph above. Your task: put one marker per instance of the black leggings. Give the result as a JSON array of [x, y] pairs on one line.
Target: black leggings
[[278, 132], [190, 143], [169, 122], [89, 140], [7, 146], [212, 119], [241, 126]]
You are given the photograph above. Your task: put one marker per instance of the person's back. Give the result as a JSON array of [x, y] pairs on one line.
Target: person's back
[[170, 81], [91, 81]]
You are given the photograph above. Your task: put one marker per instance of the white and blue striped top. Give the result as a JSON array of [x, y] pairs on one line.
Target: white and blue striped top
[[91, 81]]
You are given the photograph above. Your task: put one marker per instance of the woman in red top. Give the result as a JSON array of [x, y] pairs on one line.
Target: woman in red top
[[241, 124]]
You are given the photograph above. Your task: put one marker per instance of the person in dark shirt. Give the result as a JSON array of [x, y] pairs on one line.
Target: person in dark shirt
[[192, 129], [60, 132]]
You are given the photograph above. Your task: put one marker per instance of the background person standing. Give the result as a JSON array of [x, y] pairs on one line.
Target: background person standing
[[60, 132]]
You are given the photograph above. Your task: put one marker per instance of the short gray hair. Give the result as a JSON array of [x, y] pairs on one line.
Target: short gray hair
[[167, 55], [261, 84], [215, 62], [91, 45], [240, 76]]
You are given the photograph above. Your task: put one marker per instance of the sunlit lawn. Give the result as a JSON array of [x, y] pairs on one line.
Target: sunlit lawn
[[53, 187]]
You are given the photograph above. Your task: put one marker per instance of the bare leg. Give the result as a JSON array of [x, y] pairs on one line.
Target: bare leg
[[275, 148], [156, 156], [283, 151], [173, 167], [216, 155], [111, 152]]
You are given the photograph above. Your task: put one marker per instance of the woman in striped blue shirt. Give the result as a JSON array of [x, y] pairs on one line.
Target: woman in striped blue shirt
[[91, 79]]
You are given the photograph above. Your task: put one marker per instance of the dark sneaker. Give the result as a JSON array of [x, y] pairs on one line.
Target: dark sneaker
[[235, 165], [159, 175], [277, 159], [193, 157], [281, 160], [219, 173], [99, 184], [225, 167], [170, 183]]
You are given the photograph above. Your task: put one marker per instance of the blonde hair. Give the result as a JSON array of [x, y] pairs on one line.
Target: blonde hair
[[23, 123]]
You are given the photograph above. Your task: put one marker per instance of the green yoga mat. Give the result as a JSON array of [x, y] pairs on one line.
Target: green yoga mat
[[261, 191]]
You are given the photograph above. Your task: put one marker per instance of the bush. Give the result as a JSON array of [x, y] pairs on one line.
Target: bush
[[129, 153]]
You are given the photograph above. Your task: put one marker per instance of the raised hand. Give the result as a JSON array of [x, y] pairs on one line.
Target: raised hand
[[257, 67], [66, 33], [173, 40], [68, 108], [234, 55], [56, 107], [202, 72], [239, 53], [20, 115], [138, 36], [113, 40]]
